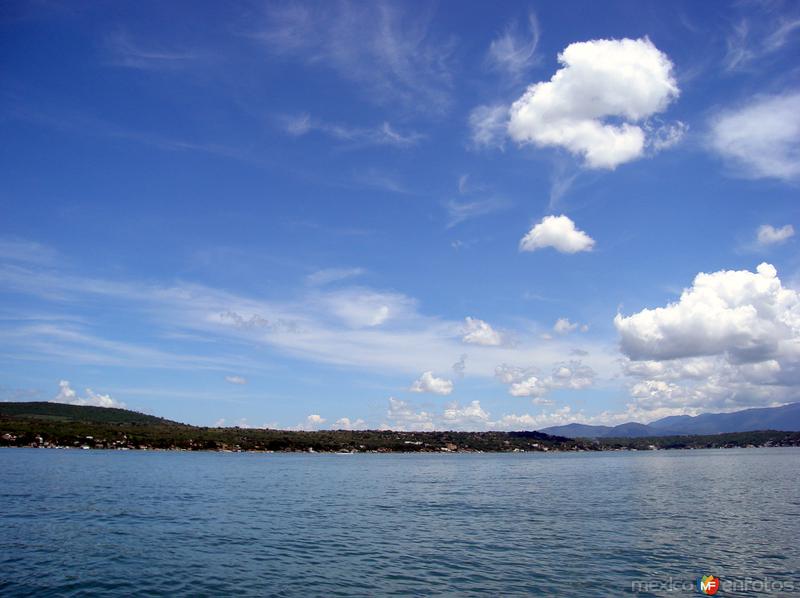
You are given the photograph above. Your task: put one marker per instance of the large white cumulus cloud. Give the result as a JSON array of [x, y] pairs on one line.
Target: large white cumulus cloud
[[748, 315], [732, 340], [627, 79]]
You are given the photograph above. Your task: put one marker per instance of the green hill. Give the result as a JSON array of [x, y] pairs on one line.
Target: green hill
[[60, 412]]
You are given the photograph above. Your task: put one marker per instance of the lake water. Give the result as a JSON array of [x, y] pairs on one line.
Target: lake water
[[586, 524]]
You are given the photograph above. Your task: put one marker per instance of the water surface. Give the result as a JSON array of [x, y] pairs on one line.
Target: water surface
[[170, 523]]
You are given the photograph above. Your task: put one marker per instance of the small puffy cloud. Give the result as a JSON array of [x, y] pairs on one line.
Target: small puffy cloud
[[488, 126], [531, 386], [67, 395], [470, 416], [329, 275], [478, 332], [526, 421], [526, 382], [572, 374], [345, 423], [312, 422], [627, 80], [563, 326], [761, 139], [558, 232], [430, 383], [235, 379], [769, 235], [401, 416], [362, 308]]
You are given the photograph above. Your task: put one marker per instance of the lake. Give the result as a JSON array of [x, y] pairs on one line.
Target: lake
[[586, 524]]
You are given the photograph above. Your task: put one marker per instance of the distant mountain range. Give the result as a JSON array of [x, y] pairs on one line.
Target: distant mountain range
[[785, 418]]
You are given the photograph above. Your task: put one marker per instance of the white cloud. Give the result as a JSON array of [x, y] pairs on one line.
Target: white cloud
[[389, 54], [526, 382], [761, 139], [67, 395], [460, 366], [731, 341], [623, 79], [558, 232], [665, 136], [526, 421], [383, 134], [401, 416], [346, 327], [361, 308], [130, 53], [236, 379], [488, 126], [753, 40], [514, 52], [478, 332], [563, 326], [745, 314], [572, 374], [529, 387], [345, 423], [769, 235], [471, 416], [459, 211], [312, 422], [329, 275], [427, 382], [20, 250]]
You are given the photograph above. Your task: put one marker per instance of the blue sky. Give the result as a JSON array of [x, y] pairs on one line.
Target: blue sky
[[405, 215]]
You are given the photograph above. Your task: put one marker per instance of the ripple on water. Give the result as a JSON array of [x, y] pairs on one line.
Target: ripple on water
[[295, 525]]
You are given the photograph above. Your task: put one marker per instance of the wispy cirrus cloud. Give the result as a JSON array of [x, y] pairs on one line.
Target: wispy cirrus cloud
[[125, 51], [329, 275], [760, 139], [388, 52], [488, 126], [755, 38], [384, 134], [357, 327], [461, 211], [514, 51]]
